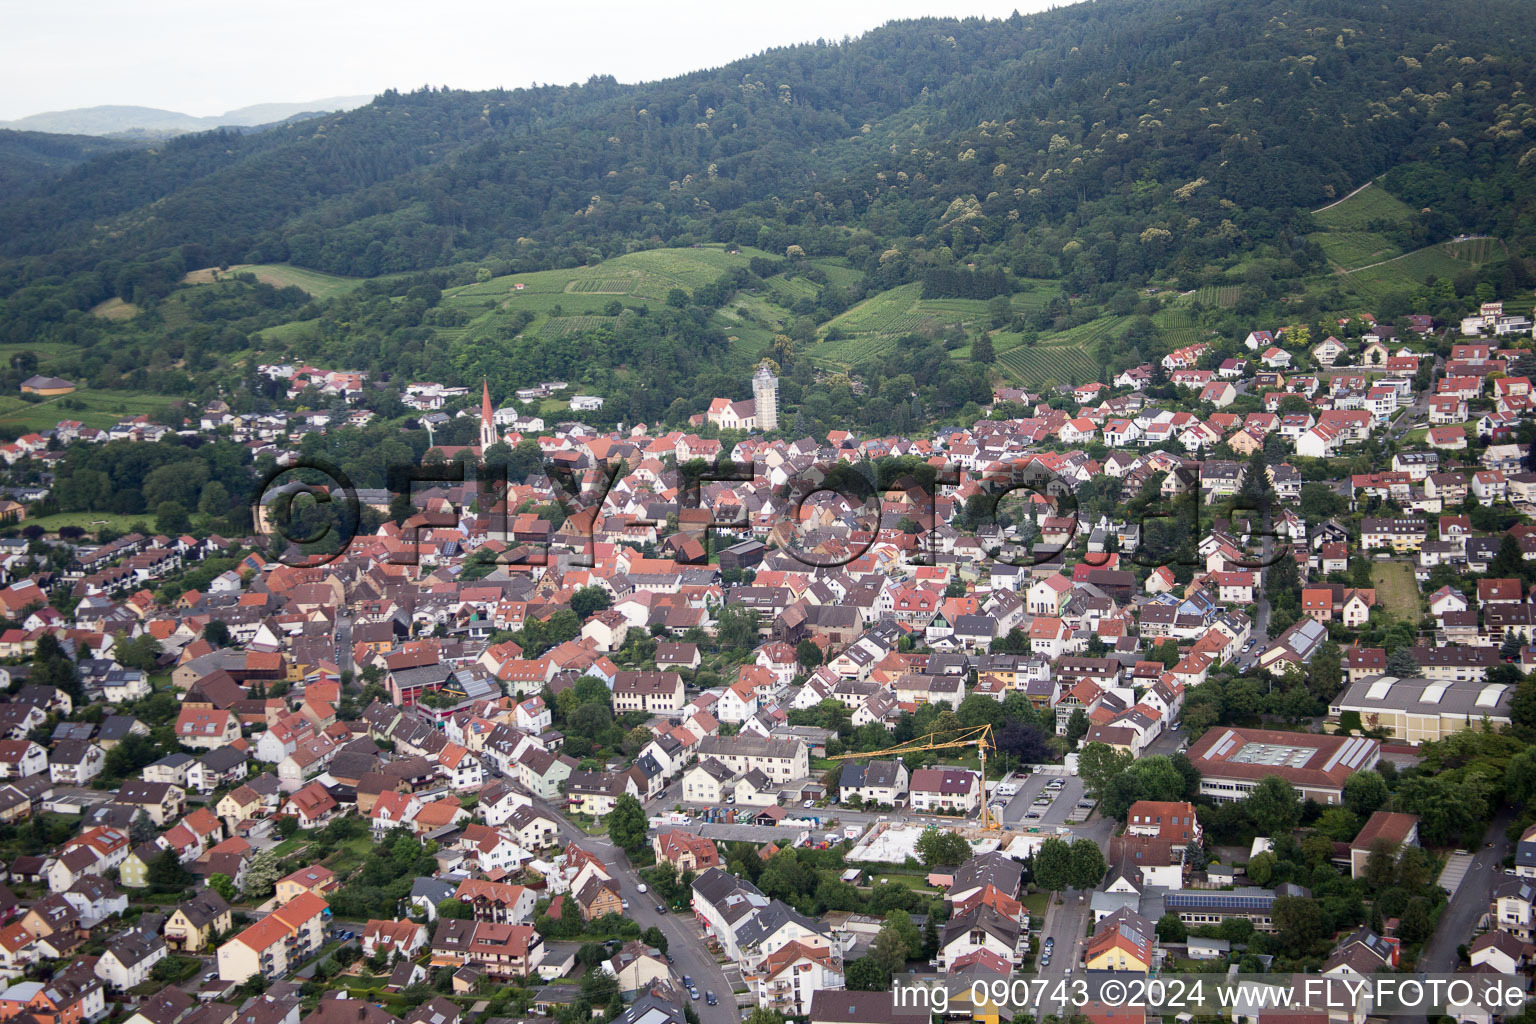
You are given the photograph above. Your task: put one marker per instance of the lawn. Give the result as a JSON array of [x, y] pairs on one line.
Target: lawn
[[349, 856], [916, 883], [280, 275], [1035, 903], [1397, 590], [89, 521]]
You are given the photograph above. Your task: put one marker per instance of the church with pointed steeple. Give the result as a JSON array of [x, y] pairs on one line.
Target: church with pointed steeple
[[488, 433]]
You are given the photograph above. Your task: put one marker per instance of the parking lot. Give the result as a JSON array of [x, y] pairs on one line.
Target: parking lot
[[1031, 788]]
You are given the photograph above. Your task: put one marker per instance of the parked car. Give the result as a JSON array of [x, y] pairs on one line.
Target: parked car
[[693, 993], [640, 887], [661, 910], [687, 982]]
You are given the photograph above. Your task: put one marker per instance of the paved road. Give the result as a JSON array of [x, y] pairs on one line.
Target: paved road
[[685, 939], [1068, 925], [1460, 916], [344, 642]]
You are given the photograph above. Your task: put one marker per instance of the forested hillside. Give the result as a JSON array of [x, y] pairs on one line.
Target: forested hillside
[[1065, 161]]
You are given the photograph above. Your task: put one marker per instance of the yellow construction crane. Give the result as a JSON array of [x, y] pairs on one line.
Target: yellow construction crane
[[980, 737]]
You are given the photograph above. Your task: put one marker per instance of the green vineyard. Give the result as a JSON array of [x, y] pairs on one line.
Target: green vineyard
[[1035, 365], [1372, 203], [602, 285], [568, 326]]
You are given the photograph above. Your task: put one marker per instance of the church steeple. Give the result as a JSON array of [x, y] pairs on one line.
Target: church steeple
[[488, 435]]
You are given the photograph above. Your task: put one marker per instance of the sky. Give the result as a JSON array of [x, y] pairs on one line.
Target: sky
[[205, 58]]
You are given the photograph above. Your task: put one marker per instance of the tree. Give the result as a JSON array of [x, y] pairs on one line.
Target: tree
[[889, 950], [808, 654], [1415, 925], [1077, 725], [1087, 865], [1401, 663], [171, 518], [224, 886], [401, 507], [1302, 923], [261, 877], [590, 600], [1325, 674], [654, 938], [627, 824], [166, 874], [454, 909], [938, 846], [1098, 764], [1365, 793], [981, 351], [1451, 806], [1261, 868], [214, 500], [217, 633], [598, 987], [1171, 929], [866, 974], [900, 922], [1520, 777], [1274, 806], [1053, 865]]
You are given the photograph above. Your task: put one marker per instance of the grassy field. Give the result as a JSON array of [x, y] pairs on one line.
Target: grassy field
[[1397, 590], [88, 521], [569, 301], [93, 408], [875, 325], [280, 275], [115, 309], [914, 882], [633, 278]]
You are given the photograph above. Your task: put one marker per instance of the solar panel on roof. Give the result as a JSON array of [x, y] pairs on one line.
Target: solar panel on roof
[[1362, 747], [1224, 744]]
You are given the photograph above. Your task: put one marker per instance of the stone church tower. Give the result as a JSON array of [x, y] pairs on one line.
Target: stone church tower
[[765, 399]]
